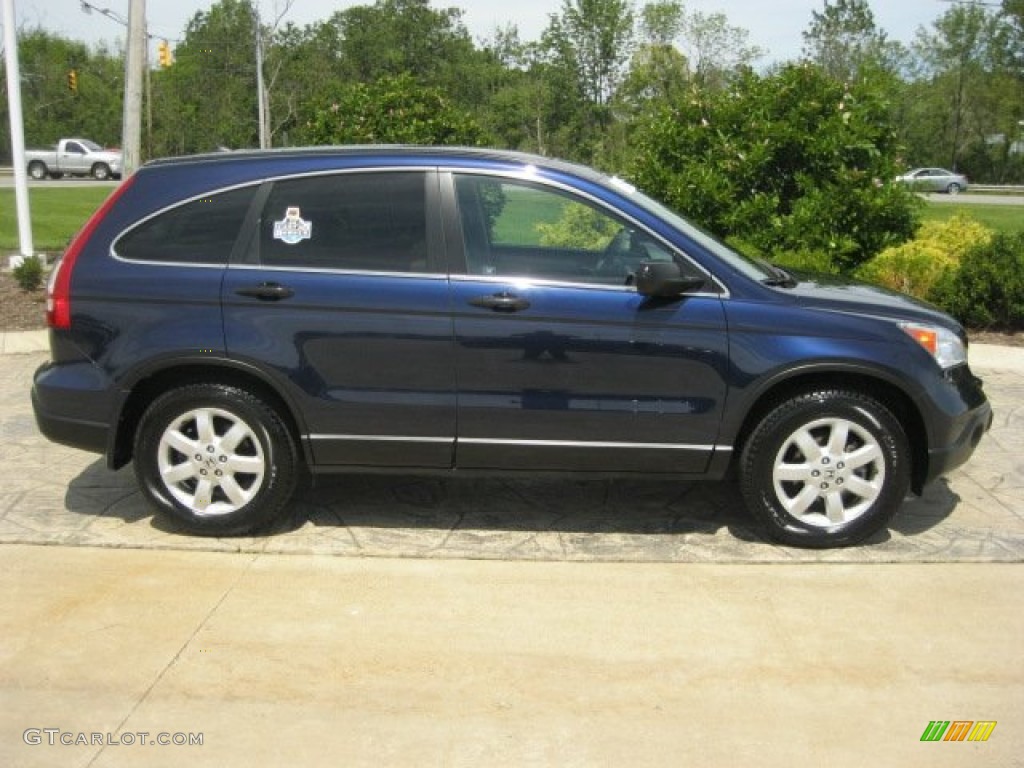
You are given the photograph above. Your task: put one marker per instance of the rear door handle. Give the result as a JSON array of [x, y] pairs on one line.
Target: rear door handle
[[266, 291], [501, 302]]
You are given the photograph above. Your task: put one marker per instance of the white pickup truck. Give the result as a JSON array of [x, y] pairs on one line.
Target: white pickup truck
[[73, 157]]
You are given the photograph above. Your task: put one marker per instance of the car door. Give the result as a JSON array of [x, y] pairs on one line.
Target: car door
[[341, 296], [561, 364], [72, 157]]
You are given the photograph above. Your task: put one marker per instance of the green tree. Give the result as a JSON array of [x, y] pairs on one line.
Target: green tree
[[589, 44], [957, 64], [50, 109], [393, 110], [715, 48], [207, 98], [392, 37], [786, 162], [843, 39], [681, 53], [522, 110]]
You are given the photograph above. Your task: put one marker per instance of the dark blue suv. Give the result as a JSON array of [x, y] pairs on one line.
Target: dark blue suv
[[226, 321]]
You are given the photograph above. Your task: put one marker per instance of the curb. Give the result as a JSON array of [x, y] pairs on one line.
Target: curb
[[24, 342]]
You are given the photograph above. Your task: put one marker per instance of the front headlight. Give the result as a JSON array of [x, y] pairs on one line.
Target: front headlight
[[944, 345]]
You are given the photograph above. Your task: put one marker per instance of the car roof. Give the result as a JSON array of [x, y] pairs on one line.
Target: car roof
[[386, 152]]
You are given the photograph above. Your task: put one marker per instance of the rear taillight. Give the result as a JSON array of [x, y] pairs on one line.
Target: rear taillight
[[58, 289]]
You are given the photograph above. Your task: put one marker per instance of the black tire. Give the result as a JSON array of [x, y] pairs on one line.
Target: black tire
[[37, 170], [101, 171], [232, 482], [953, 189], [848, 488]]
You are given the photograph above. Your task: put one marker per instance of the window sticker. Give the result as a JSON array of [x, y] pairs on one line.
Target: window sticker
[[292, 229]]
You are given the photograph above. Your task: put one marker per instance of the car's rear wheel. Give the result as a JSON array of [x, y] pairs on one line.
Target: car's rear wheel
[[37, 170], [825, 469], [953, 189], [215, 457], [101, 171]]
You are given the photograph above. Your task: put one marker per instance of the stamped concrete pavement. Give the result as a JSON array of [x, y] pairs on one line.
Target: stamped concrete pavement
[[457, 647], [50, 494]]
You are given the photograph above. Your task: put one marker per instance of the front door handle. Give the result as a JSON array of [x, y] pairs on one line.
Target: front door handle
[[266, 291], [501, 302]]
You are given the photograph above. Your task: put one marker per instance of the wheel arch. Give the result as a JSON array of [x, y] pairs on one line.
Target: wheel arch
[[154, 383], [887, 393]]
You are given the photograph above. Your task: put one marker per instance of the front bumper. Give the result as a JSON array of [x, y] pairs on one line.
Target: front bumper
[[953, 442]]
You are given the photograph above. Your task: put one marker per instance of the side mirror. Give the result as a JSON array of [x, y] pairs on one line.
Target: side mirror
[[664, 279]]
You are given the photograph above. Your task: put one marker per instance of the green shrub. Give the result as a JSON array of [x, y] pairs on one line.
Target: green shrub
[[913, 268], [579, 226], [987, 290], [792, 160], [918, 266], [29, 273]]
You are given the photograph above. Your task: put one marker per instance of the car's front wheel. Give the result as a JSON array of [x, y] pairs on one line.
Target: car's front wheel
[[215, 457], [825, 469]]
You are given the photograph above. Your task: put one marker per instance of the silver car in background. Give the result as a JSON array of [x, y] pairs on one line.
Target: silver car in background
[[934, 180]]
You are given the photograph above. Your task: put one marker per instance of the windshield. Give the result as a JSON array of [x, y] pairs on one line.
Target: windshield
[[741, 263]]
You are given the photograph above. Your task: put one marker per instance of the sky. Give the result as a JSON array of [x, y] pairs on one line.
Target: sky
[[774, 25]]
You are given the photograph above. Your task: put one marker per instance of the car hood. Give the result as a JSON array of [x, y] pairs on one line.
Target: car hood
[[845, 295]]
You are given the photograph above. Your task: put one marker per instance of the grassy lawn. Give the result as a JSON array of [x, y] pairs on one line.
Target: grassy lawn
[[57, 211], [1001, 218]]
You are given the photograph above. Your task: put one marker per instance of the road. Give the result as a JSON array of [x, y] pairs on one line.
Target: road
[[7, 182], [970, 199]]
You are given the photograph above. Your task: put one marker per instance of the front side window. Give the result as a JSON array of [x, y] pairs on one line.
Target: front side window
[[374, 222], [514, 228], [202, 231]]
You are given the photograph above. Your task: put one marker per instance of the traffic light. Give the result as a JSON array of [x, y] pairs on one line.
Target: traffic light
[[164, 53], [72, 81]]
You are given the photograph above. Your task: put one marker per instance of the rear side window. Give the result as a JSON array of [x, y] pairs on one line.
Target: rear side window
[[200, 232], [373, 222]]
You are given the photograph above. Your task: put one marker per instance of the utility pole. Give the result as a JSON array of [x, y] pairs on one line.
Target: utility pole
[[260, 94], [17, 130], [134, 66]]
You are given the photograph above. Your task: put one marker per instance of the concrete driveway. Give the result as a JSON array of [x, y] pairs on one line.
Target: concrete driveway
[[55, 495], [127, 646]]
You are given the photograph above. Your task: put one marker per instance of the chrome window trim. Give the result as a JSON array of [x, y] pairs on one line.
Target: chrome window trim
[[438, 276], [529, 282]]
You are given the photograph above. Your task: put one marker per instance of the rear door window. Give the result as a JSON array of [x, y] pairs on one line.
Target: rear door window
[[367, 222], [202, 231]]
